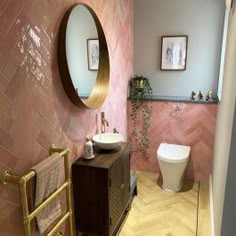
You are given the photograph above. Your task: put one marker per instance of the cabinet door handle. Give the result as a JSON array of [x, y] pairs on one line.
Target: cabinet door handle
[[122, 186]]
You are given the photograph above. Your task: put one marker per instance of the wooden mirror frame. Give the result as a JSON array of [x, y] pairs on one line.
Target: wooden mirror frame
[[100, 88]]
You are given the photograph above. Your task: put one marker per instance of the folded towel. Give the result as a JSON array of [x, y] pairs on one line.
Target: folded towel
[[48, 179]]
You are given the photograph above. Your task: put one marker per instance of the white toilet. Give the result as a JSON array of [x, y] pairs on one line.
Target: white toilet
[[173, 160]]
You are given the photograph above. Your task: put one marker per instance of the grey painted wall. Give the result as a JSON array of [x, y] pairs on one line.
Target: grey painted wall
[[201, 20], [229, 210]]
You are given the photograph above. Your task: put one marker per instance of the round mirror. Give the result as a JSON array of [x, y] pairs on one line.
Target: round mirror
[[83, 57]]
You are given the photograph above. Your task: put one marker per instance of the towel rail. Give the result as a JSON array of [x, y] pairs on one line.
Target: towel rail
[[7, 178]]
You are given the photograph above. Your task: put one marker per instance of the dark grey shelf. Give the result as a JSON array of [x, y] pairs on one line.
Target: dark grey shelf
[[181, 99]]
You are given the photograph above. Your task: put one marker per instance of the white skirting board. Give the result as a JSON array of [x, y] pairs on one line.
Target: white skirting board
[[212, 225]]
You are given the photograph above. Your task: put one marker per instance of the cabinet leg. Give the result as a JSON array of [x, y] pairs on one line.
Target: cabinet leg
[[135, 191], [78, 233], [81, 234]]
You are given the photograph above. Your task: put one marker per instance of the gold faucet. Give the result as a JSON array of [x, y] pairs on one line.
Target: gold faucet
[[104, 122]]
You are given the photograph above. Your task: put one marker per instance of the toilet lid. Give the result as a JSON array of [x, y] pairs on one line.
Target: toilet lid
[[173, 153]]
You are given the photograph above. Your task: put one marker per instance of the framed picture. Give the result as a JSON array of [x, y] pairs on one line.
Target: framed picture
[[174, 52], [93, 54]]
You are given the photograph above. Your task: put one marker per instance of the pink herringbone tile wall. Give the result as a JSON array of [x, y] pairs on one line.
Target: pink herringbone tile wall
[[191, 124], [34, 109]]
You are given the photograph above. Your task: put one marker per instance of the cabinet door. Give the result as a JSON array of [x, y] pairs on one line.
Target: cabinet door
[[116, 192], [119, 189], [126, 178]]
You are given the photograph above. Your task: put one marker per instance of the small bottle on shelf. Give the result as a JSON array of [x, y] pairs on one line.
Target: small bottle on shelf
[[193, 94], [209, 95], [88, 149], [200, 95]]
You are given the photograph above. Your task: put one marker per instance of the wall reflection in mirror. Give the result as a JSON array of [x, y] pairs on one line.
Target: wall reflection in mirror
[[82, 51]]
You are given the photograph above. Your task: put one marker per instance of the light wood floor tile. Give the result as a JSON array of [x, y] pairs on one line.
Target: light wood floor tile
[[155, 212], [203, 210]]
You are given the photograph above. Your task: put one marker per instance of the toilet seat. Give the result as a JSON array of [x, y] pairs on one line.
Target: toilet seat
[[173, 153]]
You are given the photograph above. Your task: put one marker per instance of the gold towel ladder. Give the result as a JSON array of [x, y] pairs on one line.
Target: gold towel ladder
[[7, 178]]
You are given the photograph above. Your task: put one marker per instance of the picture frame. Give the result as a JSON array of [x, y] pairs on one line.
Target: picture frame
[[93, 54], [174, 52]]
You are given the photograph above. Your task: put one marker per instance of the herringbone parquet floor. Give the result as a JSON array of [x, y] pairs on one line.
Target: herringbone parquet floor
[[156, 212]]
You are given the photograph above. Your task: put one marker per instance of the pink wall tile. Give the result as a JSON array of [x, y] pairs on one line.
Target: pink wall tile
[[193, 125], [34, 109]]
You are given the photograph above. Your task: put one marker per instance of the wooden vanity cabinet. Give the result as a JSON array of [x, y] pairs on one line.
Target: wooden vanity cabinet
[[101, 188]]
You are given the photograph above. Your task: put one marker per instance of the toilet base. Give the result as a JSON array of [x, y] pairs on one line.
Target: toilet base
[[171, 190], [172, 186], [172, 175]]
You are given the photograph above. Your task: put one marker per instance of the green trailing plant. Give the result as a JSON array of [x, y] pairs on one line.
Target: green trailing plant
[[140, 92]]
